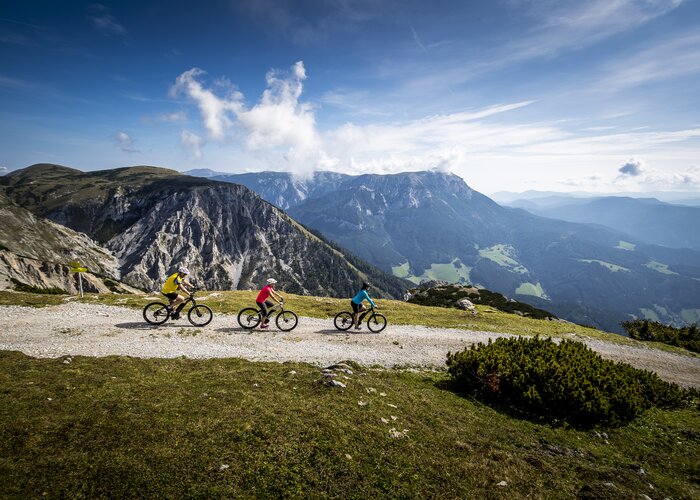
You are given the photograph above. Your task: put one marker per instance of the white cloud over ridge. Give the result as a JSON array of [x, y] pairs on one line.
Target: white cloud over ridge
[[124, 142], [279, 121], [280, 132], [192, 143]]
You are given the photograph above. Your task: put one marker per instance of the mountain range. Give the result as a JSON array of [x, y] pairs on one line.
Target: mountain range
[[432, 225], [644, 219], [152, 220]]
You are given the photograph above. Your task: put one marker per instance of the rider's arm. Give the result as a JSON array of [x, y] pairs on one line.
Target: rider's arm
[[276, 296], [366, 296], [181, 286]]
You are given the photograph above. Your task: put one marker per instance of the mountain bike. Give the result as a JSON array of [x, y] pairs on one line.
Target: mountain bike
[[250, 317], [157, 313], [376, 322]]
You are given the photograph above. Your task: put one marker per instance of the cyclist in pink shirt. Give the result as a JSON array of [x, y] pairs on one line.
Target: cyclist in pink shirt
[[263, 302]]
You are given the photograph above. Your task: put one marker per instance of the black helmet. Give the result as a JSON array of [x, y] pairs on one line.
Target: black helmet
[[365, 285]]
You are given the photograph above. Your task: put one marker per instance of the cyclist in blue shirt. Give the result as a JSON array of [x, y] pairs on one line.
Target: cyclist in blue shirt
[[357, 305]]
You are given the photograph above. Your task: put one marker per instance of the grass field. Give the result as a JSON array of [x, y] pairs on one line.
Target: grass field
[[123, 427], [126, 427]]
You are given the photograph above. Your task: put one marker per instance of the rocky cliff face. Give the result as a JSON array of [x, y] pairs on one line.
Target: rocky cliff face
[[285, 190], [154, 220], [37, 252]]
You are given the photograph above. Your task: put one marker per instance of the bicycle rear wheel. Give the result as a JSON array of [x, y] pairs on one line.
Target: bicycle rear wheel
[[249, 318], [343, 320], [286, 321], [376, 322], [156, 313], [200, 315]]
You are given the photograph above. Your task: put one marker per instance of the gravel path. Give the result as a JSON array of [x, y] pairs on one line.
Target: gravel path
[[100, 330]]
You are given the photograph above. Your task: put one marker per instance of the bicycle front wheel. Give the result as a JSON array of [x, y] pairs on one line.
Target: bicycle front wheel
[[156, 313], [249, 318], [343, 320], [376, 322], [200, 315], [286, 321]]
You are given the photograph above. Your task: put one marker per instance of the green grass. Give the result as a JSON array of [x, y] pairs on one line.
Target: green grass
[[450, 272], [625, 245], [124, 427], [612, 267], [534, 289], [503, 255], [659, 267]]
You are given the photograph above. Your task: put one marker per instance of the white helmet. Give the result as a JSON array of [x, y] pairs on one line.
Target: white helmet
[[271, 281], [183, 270]]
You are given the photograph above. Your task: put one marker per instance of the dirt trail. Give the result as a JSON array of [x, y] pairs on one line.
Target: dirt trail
[[100, 330]]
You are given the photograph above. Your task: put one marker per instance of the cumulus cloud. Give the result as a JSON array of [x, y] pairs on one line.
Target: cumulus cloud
[[104, 22], [3, 170], [192, 143], [632, 168], [213, 109], [279, 121], [124, 142]]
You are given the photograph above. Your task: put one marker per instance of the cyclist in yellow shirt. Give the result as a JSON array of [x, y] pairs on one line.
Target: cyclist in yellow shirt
[[176, 282]]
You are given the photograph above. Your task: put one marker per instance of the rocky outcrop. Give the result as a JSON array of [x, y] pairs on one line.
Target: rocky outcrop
[[37, 252], [154, 220]]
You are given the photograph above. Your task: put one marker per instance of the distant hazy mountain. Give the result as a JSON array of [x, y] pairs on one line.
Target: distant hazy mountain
[[155, 219], [548, 198], [432, 225], [644, 219]]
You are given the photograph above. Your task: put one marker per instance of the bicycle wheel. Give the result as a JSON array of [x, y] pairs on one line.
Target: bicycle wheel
[[376, 322], [343, 320], [156, 313], [200, 315], [249, 318], [286, 321]]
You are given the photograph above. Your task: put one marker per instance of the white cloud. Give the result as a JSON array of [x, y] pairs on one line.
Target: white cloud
[[124, 142], [3, 171], [214, 109], [192, 143], [631, 168], [491, 150], [277, 122]]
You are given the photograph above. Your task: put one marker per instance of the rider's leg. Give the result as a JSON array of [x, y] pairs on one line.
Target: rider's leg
[[358, 325], [263, 309], [355, 312], [269, 305]]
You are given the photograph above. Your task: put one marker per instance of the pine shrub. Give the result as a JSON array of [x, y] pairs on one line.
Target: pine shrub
[[23, 287], [687, 337], [559, 382]]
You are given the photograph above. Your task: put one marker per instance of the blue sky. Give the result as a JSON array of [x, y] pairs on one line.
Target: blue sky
[[597, 95]]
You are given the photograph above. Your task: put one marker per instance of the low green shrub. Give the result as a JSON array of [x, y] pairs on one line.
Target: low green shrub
[[559, 382], [687, 337], [23, 287], [449, 295]]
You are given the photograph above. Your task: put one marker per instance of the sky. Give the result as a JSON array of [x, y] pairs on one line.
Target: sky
[[512, 95]]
